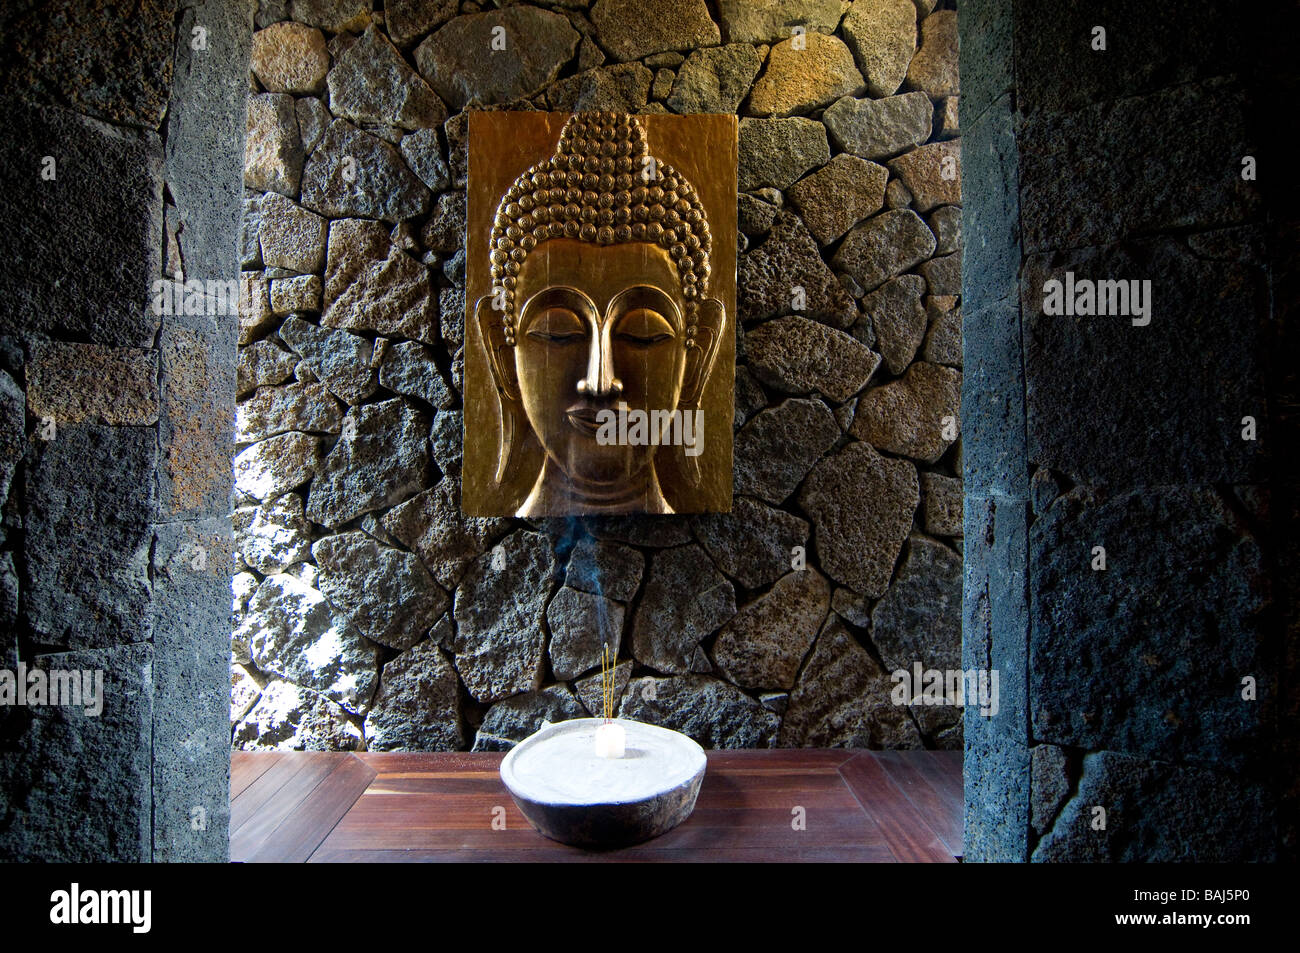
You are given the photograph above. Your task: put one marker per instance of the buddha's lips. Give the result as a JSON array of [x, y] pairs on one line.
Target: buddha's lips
[[583, 419]]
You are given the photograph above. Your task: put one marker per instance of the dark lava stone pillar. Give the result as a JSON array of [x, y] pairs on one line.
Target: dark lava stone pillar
[[1127, 728], [121, 154]]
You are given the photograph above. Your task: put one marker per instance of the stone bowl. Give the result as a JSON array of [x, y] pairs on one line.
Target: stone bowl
[[571, 796]]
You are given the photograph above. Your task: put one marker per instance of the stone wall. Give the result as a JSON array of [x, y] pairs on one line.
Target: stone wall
[[121, 157], [1130, 526], [370, 613]]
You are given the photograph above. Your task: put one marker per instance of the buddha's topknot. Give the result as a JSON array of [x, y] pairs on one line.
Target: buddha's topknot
[[601, 186]]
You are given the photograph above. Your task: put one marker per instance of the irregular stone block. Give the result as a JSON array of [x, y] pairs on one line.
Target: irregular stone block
[[714, 79], [273, 410], [798, 356], [255, 314], [906, 416], [770, 21], [582, 624], [945, 223], [408, 20], [771, 277], [272, 149], [839, 195], [629, 34], [932, 174], [713, 713], [291, 237], [933, 69], [605, 568], [288, 717], [657, 533], [342, 361], [456, 59], [842, 700], [685, 600], [884, 246], [861, 505], [313, 120], [445, 229], [272, 537], [417, 707], [624, 87], [898, 320], [777, 448], [409, 368], [423, 156], [295, 633], [335, 16], [882, 35], [941, 504], [354, 173], [511, 721], [764, 645], [379, 461], [499, 641], [299, 293], [1049, 771], [275, 466], [589, 689], [776, 152], [431, 524], [877, 129], [290, 58], [943, 344], [372, 285], [919, 618], [371, 83], [799, 79], [446, 441], [754, 543], [386, 593], [942, 275]]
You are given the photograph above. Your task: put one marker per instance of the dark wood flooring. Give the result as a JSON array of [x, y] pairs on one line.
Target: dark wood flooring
[[884, 806]]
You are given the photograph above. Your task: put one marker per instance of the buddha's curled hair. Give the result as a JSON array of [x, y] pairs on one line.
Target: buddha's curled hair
[[601, 186]]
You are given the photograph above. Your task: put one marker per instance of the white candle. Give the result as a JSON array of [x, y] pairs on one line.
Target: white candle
[[609, 740]]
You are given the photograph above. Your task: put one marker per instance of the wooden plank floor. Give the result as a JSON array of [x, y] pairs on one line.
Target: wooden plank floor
[[873, 806]]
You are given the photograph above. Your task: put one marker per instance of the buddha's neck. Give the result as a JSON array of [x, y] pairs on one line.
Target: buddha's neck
[[555, 493]]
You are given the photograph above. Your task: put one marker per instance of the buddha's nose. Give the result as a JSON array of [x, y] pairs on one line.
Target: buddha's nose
[[600, 380]]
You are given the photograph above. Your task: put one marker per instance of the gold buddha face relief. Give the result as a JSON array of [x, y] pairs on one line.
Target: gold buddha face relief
[[598, 330]]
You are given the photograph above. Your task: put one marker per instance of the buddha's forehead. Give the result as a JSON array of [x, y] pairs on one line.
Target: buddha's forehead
[[599, 271]]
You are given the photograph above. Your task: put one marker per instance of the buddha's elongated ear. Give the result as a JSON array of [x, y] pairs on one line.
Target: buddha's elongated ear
[[712, 321], [500, 355], [501, 360]]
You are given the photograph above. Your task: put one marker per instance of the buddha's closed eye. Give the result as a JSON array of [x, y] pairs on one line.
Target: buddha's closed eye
[[643, 327], [557, 325]]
